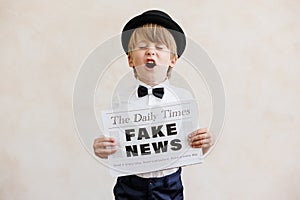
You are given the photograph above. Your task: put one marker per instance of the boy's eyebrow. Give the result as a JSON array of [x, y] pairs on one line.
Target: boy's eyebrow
[[147, 41], [142, 40]]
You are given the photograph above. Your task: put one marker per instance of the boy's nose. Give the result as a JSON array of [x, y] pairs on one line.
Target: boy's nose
[[150, 51]]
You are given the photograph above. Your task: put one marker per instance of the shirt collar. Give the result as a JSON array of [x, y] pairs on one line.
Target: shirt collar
[[162, 84]]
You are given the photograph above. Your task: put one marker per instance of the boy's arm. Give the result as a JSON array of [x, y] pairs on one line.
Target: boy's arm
[[201, 138]]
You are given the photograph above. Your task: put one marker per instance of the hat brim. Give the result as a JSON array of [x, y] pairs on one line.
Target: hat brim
[[168, 23]]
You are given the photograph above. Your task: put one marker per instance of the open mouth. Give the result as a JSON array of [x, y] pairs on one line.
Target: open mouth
[[150, 63]]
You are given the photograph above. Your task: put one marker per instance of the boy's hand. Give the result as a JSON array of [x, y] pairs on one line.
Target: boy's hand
[[201, 138], [101, 144]]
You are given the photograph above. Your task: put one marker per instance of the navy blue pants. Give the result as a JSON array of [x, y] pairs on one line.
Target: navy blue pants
[[137, 188]]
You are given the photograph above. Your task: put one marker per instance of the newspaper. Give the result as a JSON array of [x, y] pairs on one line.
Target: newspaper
[[152, 138]]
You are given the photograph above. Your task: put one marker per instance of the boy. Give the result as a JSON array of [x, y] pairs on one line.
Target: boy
[[153, 42]]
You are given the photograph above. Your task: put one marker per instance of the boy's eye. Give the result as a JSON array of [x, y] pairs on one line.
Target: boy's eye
[[160, 46], [142, 45]]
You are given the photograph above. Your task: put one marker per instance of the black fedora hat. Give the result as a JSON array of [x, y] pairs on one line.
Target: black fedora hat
[[154, 17]]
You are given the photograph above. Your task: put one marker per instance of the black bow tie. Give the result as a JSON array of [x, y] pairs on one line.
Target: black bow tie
[[143, 91]]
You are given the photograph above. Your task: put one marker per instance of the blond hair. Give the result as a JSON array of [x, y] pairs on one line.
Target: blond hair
[[156, 34]]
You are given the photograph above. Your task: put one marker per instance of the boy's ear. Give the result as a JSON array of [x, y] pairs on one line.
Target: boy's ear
[[130, 61], [173, 61]]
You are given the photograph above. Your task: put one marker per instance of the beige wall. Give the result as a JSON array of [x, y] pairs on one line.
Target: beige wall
[[254, 44]]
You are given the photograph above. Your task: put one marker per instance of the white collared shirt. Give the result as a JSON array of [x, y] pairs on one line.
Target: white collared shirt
[[129, 98]]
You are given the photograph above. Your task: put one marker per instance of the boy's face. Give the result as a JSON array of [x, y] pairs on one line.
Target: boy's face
[[151, 61]]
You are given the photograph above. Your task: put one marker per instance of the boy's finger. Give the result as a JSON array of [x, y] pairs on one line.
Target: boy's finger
[[200, 142], [103, 145], [106, 144], [100, 140], [202, 130], [105, 139], [193, 134], [103, 153], [198, 131], [200, 137], [206, 145]]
